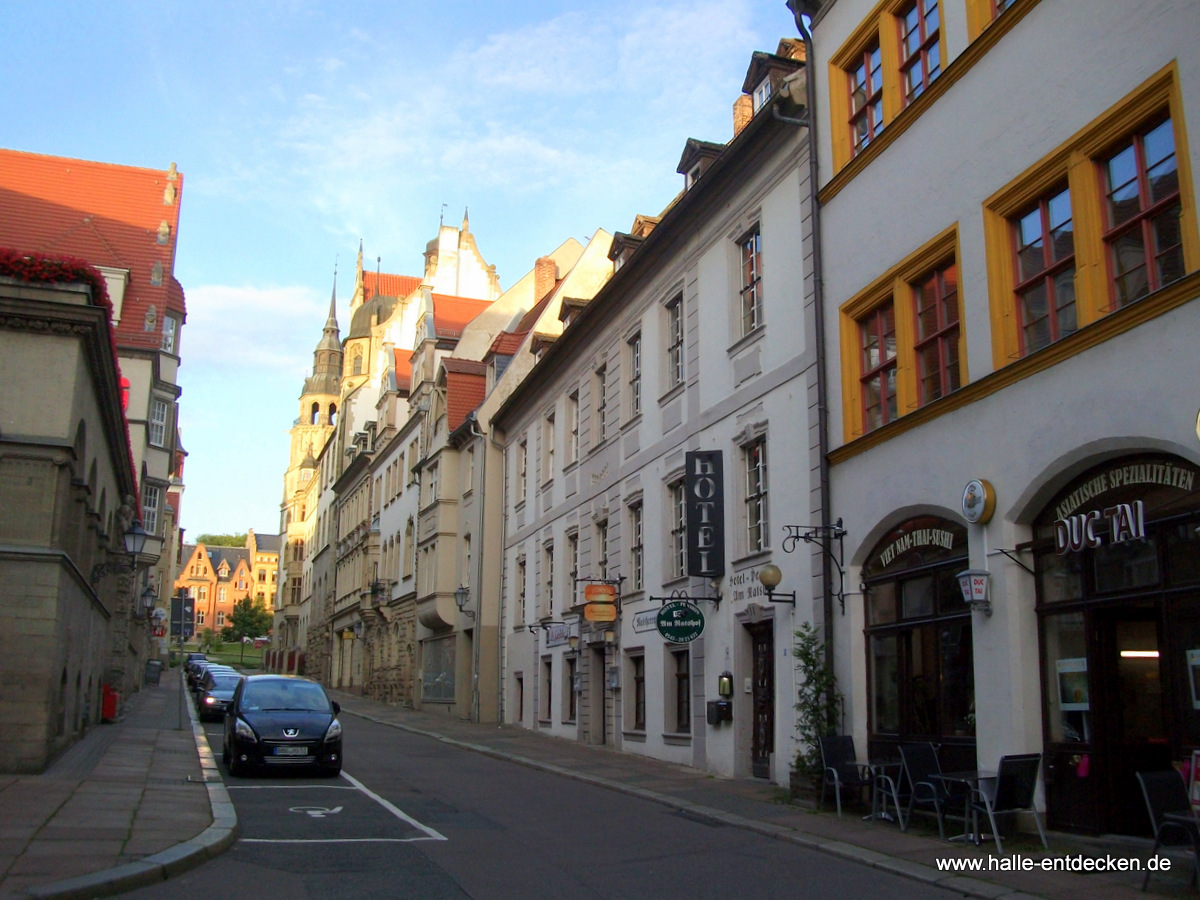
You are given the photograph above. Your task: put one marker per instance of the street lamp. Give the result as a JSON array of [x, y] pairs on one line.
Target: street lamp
[[461, 596], [148, 599], [135, 542], [770, 576], [974, 586]]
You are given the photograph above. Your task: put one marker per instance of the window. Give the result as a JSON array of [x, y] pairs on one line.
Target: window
[[902, 344], [169, 329], [636, 550], [754, 456], [1142, 214], [221, 597], [762, 93], [601, 394], [220, 618], [159, 409], [675, 342], [1097, 225], [634, 345], [202, 593], [409, 557], [150, 501], [522, 467], [681, 688], [750, 248], [920, 60], [601, 568], [866, 98], [877, 340], [637, 665], [889, 61], [469, 481], [199, 617], [548, 447], [547, 605], [573, 554], [573, 427], [936, 299], [547, 705], [678, 519], [1045, 270], [521, 591], [434, 486]]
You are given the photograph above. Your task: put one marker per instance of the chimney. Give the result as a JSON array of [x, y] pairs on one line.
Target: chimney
[[743, 112], [545, 274]]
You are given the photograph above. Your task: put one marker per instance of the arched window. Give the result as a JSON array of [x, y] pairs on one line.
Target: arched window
[[332, 413], [315, 415], [357, 368]]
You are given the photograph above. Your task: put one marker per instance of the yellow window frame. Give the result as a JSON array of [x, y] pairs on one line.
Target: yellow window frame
[[897, 285], [1075, 163]]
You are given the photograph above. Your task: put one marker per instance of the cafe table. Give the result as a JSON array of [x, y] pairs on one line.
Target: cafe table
[[885, 780], [971, 781]]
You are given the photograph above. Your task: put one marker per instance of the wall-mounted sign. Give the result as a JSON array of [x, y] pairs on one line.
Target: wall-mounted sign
[[704, 502], [680, 622], [919, 542], [557, 633], [645, 621], [600, 612], [978, 502]]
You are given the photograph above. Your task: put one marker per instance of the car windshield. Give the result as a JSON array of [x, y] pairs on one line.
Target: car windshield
[[225, 682], [289, 695]]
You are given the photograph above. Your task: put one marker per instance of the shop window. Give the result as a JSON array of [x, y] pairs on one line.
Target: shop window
[[678, 692], [1067, 690], [437, 677], [902, 343], [919, 634], [547, 686], [570, 696], [1096, 226], [636, 711]]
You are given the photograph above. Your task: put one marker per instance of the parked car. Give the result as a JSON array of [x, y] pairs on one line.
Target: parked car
[[281, 721], [190, 662], [215, 693]]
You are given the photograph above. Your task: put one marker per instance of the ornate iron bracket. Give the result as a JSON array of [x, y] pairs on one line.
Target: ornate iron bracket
[[687, 598], [823, 536]]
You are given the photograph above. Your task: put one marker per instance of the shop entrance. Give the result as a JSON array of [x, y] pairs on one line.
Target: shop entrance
[[762, 744], [1117, 560]]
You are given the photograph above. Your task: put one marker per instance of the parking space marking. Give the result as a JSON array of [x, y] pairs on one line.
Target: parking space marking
[[427, 833]]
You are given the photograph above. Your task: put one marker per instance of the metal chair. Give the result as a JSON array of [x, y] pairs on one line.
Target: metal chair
[[1011, 791], [920, 766], [841, 767], [1165, 792]]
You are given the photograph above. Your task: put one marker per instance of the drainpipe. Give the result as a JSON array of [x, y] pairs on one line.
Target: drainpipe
[[801, 8]]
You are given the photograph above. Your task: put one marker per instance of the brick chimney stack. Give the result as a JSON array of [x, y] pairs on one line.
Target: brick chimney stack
[[545, 276], [743, 112]]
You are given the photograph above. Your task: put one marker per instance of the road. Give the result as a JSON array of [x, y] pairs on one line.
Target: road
[[412, 817]]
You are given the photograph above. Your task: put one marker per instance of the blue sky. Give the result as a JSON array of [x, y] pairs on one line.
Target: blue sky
[[302, 126]]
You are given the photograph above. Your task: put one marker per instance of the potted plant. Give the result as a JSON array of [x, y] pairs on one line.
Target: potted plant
[[818, 704]]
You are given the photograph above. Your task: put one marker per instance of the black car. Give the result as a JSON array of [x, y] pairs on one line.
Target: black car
[[281, 721], [216, 690]]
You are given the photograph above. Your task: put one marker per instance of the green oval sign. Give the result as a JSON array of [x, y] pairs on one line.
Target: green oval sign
[[680, 622]]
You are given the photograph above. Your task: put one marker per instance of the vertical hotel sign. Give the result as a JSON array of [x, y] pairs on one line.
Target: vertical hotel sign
[[704, 503]]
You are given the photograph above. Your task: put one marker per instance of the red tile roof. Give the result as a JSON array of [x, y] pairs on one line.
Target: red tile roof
[[451, 314], [507, 343], [388, 285], [466, 386], [109, 215], [403, 369]]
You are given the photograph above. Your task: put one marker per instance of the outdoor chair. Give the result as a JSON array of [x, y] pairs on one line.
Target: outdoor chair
[[1011, 791], [841, 767], [1165, 793], [925, 790]]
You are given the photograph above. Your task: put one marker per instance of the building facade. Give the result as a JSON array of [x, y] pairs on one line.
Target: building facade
[[1010, 286], [655, 455]]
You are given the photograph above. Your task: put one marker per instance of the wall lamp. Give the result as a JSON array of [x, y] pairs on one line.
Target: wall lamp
[[461, 596], [974, 586], [135, 542], [770, 576], [149, 597]]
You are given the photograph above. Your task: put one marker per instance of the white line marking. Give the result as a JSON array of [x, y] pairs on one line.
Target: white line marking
[[411, 840], [394, 810]]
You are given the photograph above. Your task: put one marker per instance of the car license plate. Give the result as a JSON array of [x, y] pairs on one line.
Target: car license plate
[[291, 751]]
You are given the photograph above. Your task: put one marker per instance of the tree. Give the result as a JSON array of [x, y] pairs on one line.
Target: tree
[[222, 540], [246, 621]]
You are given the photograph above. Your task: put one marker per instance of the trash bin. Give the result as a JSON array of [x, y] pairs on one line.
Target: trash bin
[[153, 671], [109, 703]]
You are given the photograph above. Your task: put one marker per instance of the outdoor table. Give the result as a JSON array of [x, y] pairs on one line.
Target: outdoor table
[[971, 781], [885, 775]]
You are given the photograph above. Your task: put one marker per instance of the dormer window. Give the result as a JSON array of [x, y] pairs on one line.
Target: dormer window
[[762, 93], [693, 175]]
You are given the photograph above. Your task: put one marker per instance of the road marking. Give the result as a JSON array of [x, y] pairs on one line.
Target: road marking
[[317, 812]]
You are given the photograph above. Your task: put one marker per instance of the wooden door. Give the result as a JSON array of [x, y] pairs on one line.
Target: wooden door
[[762, 743]]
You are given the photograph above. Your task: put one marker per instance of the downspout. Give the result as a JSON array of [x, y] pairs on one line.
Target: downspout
[[800, 8]]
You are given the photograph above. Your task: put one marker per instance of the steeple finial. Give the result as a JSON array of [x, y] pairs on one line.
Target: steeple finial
[[466, 225]]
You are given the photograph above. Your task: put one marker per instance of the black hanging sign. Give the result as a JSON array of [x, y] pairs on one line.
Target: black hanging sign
[[704, 501]]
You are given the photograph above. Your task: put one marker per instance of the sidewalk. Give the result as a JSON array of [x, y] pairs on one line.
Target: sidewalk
[[133, 802], [141, 800]]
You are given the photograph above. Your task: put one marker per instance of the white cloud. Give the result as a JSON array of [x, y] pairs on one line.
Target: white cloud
[[252, 329]]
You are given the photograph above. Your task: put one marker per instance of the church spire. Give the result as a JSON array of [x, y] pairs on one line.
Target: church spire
[[466, 225]]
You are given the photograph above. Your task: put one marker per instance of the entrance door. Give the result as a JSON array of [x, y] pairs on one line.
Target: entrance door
[[1133, 715], [597, 712], [762, 743]]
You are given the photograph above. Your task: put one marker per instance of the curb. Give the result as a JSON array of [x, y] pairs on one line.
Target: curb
[[961, 884], [208, 844]]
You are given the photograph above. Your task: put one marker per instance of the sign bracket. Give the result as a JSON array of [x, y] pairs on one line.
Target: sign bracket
[[687, 598], [823, 536]]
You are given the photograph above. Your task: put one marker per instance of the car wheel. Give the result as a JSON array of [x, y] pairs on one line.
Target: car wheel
[[225, 754], [236, 767]]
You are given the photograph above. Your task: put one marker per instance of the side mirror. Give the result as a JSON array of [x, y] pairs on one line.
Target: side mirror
[[337, 707]]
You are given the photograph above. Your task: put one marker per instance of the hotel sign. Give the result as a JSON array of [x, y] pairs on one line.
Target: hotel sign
[[704, 503]]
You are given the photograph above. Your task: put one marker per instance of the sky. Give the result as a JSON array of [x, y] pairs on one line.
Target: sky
[[302, 127]]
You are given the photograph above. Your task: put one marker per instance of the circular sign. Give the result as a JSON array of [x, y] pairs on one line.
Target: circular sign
[[680, 621], [978, 502]]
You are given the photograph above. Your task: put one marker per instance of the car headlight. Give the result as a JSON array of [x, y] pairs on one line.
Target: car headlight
[[209, 701], [242, 730], [334, 730]]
